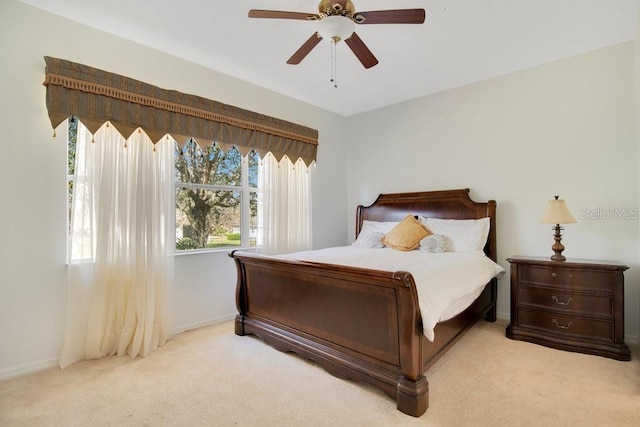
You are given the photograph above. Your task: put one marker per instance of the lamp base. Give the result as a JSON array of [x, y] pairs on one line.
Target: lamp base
[[558, 247]]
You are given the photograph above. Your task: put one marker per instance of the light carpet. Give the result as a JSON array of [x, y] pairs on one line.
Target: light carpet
[[211, 377]]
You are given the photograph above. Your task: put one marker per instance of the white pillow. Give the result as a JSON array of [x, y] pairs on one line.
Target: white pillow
[[383, 227], [372, 232], [463, 235]]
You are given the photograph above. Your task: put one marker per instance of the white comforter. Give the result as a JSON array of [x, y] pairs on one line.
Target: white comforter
[[447, 283]]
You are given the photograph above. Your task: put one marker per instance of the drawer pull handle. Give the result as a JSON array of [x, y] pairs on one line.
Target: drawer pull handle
[[555, 322], [554, 274], [557, 301]]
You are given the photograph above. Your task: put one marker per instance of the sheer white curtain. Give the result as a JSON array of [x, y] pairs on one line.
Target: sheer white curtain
[[120, 268], [285, 199]]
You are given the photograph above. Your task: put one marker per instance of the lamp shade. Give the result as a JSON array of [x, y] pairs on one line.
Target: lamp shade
[[336, 28], [557, 213]]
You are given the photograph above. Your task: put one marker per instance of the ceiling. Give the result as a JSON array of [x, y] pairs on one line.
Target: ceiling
[[461, 41]]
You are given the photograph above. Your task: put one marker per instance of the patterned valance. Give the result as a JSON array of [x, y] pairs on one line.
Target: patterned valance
[[95, 97]]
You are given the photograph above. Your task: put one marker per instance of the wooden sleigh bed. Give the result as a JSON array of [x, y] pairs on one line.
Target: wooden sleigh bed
[[359, 323]]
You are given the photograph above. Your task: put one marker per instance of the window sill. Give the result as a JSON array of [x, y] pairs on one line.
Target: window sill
[[219, 250]]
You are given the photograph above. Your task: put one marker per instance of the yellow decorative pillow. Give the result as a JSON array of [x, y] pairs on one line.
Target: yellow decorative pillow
[[406, 235]]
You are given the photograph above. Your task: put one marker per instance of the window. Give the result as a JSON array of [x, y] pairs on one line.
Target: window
[[216, 194], [219, 199], [216, 197]]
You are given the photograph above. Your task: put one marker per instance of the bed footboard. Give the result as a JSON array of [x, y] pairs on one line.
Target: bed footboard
[[356, 323]]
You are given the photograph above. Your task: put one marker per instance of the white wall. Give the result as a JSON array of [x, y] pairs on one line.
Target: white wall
[[565, 128], [33, 180]]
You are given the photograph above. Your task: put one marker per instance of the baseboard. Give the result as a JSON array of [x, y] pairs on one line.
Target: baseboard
[[503, 316], [208, 322], [632, 339], [27, 368]]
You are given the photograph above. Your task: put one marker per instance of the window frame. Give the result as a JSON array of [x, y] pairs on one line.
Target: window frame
[[244, 189]]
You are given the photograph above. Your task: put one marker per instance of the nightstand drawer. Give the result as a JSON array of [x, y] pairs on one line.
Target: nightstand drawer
[[566, 325], [568, 277], [601, 305]]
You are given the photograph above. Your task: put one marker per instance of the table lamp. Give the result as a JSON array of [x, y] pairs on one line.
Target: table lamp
[[557, 213]]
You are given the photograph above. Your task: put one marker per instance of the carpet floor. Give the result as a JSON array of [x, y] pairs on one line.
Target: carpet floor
[[211, 377]]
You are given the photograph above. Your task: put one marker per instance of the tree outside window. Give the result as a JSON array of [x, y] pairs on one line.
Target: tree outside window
[[216, 197]]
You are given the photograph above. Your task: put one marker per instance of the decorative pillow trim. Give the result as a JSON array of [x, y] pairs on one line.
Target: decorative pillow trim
[[435, 243], [369, 239]]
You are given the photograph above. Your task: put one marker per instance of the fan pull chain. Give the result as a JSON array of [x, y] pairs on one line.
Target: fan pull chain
[[334, 77]]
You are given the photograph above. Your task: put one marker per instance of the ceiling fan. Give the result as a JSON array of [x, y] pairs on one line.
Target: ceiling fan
[[336, 22]]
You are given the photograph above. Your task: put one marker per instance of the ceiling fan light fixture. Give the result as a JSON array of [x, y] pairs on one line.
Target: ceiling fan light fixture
[[336, 28]]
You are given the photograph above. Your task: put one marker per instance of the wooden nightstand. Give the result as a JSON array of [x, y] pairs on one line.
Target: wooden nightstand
[[573, 305]]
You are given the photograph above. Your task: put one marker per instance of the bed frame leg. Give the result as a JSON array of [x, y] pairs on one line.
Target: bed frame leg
[[413, 396], [239, 325], [492, 314]]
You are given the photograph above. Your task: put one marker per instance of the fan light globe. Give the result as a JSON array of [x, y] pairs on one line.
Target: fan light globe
[[336, 28]]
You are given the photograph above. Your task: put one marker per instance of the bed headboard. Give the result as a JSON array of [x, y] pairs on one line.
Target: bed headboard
[[448, 204]]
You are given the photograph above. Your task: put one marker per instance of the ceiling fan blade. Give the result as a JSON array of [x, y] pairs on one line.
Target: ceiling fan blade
[[399, 16], [361, 51], [304, 50], [279, 14]]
